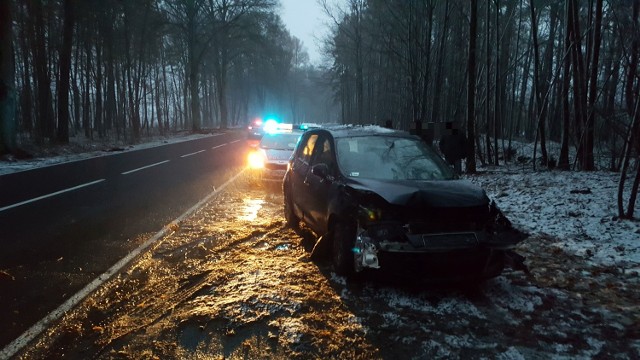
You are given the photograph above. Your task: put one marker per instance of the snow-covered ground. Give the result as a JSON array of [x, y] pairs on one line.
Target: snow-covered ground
[[578, 207]]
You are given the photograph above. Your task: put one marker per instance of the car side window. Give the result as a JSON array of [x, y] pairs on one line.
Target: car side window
[[307, 150], [325, 155]]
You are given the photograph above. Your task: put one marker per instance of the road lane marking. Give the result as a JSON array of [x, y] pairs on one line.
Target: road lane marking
[[144, 167], [219, 146], [34, 331], [234, 141], [50, 195], [197, 152]]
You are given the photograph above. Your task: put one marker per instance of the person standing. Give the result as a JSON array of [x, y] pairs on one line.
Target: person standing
[[453, 146]]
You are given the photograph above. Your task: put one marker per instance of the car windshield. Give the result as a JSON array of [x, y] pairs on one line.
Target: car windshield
[[390, 158], [280, 141]]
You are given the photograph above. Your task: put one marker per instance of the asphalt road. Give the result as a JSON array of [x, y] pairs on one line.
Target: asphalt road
[[62, 226]]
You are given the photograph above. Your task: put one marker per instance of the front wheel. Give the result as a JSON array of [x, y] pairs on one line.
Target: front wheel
[[290, 217], [344, 239]]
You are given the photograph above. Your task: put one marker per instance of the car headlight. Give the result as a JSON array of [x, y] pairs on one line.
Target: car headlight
[[369, 214], [256, 159]]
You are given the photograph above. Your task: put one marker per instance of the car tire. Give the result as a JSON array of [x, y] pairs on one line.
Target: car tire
[[290, 217], [344, 238]]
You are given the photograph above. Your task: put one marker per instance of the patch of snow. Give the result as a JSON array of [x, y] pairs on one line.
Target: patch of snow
[[340, 280], [460, 341], [458, 306], [595, 344], [579, 209], [522, 299], [392, 319], [511, 354]]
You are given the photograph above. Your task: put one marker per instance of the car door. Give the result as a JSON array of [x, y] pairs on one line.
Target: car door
[[319, 185], [300, 166]]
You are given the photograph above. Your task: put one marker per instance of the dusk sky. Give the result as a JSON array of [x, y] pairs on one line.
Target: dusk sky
[[305, 20]]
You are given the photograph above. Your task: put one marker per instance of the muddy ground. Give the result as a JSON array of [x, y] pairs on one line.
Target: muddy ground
[[233, 282]]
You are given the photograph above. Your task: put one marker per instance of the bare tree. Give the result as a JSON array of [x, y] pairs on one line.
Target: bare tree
[[65, 69], [471, 88], [7, 83], [633, 137]]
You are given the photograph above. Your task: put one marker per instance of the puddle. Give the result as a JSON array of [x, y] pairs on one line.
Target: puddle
[[250, 209]]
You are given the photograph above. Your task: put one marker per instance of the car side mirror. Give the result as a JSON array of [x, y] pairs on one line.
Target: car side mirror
[[320, 170]]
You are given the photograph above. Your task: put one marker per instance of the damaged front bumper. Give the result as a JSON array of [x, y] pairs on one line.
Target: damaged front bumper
[[495, 242]]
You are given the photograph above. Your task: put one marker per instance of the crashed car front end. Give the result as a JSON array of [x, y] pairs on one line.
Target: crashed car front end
[[445, 242]]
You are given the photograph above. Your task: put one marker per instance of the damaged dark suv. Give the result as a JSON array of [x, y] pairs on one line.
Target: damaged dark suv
[[382, 198]]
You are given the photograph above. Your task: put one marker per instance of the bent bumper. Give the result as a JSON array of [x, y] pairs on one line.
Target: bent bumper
[[449, 256]]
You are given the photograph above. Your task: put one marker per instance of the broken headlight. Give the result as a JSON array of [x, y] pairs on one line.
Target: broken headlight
[[369, 214]]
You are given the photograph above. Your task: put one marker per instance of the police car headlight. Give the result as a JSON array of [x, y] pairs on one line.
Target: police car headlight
[[256, 159]]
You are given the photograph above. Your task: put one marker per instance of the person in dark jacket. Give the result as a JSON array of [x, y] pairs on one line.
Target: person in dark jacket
[[454, 148]]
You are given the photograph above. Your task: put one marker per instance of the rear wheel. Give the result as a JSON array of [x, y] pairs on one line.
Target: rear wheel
[[344, 239]]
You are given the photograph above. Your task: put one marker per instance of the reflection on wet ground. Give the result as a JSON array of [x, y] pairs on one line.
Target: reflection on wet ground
[[250, 209]]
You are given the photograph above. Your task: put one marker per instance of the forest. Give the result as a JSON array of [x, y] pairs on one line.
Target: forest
[[130, 68], [562, 75]]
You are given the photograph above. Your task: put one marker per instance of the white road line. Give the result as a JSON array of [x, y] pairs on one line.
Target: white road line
[[144, 167], [234, 141], [197, 152], [26, 337], [50, 195], [219, 146]]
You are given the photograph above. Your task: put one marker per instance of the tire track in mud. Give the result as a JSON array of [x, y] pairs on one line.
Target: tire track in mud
[[149, 311]]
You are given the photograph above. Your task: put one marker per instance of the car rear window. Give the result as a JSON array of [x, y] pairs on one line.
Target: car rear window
[[390, 158]]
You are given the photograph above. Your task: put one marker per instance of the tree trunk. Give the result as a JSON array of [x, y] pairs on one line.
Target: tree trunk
[[99, 119], [631, 142], [65, 69], [579, 98], [563, 160], [588, 161], [26, 102], [634, 189], [86, 102], [471, 88], [634, 131], [435, 114], [7, 82], [632, 69], [540, 113], [497, 77], [44, 118]]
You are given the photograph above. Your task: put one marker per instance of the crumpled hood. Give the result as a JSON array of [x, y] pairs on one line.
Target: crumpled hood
[[419, 194]]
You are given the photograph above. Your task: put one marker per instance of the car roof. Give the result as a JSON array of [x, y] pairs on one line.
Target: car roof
[[339, 131]]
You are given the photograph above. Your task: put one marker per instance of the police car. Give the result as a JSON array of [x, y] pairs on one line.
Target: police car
[[269, 159]]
